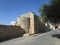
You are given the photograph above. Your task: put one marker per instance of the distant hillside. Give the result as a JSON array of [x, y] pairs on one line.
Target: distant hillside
[[9, 32]]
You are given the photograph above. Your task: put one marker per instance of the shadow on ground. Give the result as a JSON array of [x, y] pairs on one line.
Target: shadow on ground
[[56, 35]]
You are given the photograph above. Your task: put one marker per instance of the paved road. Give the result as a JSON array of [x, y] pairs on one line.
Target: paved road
[[49, 38]]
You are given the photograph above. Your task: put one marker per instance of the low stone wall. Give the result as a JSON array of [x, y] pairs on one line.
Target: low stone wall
[[9, 32]]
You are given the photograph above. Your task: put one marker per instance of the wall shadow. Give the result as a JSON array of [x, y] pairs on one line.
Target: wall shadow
[[10, 32], [56, 35]]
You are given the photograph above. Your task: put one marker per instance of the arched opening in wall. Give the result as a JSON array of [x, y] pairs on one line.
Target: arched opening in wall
[[27, 23], [56, 26]]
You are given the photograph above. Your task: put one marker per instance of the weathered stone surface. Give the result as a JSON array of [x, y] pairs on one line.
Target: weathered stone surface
[[29, 22], [10, 32], [26, 35]]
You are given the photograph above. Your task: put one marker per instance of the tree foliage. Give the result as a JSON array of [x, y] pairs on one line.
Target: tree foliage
[[51, 12]]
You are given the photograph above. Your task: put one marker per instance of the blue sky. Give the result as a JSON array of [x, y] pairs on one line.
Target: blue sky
[[11, 9]]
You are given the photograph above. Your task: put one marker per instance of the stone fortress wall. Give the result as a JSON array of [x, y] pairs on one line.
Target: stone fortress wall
[[29, 22]]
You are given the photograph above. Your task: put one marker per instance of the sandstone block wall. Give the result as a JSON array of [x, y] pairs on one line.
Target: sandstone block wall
[[34, 23]]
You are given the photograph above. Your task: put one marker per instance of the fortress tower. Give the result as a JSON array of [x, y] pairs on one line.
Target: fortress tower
[[29, 22]]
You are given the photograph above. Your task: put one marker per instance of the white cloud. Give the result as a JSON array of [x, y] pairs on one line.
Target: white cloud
[[12, 23]]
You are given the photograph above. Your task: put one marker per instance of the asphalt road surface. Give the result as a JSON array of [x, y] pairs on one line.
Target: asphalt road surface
[[49, 38]]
